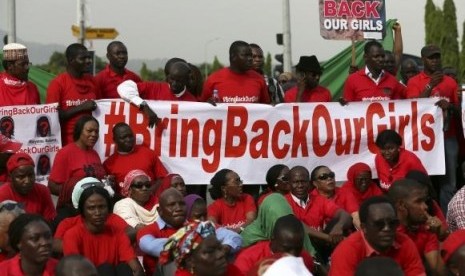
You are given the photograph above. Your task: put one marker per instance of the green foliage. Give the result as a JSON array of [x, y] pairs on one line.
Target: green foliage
[[449, 44], [207, 69], [216, 65], [57, 63], [433, 23], [149, 75], [267, 67]]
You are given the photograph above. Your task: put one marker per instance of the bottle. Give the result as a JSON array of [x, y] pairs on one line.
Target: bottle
[[216, 97]]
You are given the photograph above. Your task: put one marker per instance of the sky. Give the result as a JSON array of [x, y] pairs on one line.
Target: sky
[[198, 30]]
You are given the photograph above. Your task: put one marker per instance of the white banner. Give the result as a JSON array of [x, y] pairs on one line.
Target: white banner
[[198, 139], [38, 128]]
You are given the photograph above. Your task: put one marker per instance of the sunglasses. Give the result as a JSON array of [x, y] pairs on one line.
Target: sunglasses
[[325, 176], [140, 185], [10, 206], [381, 224], [92, 184]]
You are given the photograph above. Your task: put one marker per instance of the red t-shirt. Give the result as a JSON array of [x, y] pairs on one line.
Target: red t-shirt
[[160, 91], [141, 158], [37, 201], [71, 164], [318, 210], [12, 267], [150, 262], [373, 190], [317, 94], [231, 216], [250, 256], [232, 270], [424, 240], [446, 89], [113, 221], [111, 246], [408, 161], [16, 92], [248, 87], [69, 92], [359, 87], [107, 81], [342, 199], [354, 249]]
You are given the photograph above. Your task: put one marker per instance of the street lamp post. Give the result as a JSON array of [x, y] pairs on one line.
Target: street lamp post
[[206, 51]]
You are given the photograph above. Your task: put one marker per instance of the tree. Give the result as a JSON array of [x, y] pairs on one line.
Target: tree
[[216, 65], [56, 63], [267, 67], [149, 75], [433, 23], [449, 44]]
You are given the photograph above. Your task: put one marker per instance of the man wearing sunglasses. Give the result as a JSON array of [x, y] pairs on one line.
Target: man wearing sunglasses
[[378, 238], [409, 198]]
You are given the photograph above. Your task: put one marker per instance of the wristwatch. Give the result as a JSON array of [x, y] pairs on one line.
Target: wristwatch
[[142, 105]]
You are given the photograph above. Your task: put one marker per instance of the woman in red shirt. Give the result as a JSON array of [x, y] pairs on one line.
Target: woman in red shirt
[[360, 184], [31, 237], [232, 208], [393, 162], [108, 248], [197, 252]]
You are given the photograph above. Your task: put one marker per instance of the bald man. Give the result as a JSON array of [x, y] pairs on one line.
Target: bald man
[[75, 265]]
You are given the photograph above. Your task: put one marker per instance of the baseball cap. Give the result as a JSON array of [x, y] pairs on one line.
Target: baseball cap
[[430, 50]]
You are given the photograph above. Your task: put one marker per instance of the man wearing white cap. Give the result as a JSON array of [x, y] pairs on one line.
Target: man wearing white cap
[[15, 89]]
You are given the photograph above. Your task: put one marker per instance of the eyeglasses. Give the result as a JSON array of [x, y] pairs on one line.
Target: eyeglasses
[[325, 176], [92, 184], [382, 223], [140, 185], [10, 206]]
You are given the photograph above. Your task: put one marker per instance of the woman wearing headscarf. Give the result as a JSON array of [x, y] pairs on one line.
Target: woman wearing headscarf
[[196, 251], [172, 180], [277, 180], [196, 208], [273, 207], [232, 208], [138, 206], [360, 184]]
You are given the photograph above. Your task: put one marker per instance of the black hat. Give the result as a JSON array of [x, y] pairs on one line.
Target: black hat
[[308, 64], [430, 50]]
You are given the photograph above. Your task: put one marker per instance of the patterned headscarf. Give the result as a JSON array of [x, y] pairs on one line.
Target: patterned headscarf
[[130, 176], [181, 244]]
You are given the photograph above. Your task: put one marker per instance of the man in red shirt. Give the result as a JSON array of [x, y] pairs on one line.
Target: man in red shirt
[[74, 91], [409, 198], [308, 77], [315, 211], [287, 237], [432, 83], [35, 197], [372, 83], [15, 88], [128, 156], [377, 238], [115, 72], [236, 83]]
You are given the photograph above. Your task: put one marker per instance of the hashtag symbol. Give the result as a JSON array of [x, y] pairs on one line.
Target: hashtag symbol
[[116, 116]]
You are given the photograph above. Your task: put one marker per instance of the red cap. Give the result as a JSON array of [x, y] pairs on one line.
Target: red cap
[[452, 243], [17, 160], [8, 145]]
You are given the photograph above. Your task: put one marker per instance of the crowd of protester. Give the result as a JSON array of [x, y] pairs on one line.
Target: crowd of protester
[[127, 215]]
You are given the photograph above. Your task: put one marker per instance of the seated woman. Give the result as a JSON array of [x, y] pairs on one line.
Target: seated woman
[[138, 207], [113, 221], [196, 250], [9, 210], [360, 184], [31, 237], [393, 162], [107, 248], [196, 208], [23, 188], [232, 208], [324, 181], [74, 162], [276, 230], [277, 180], [172, 180]]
